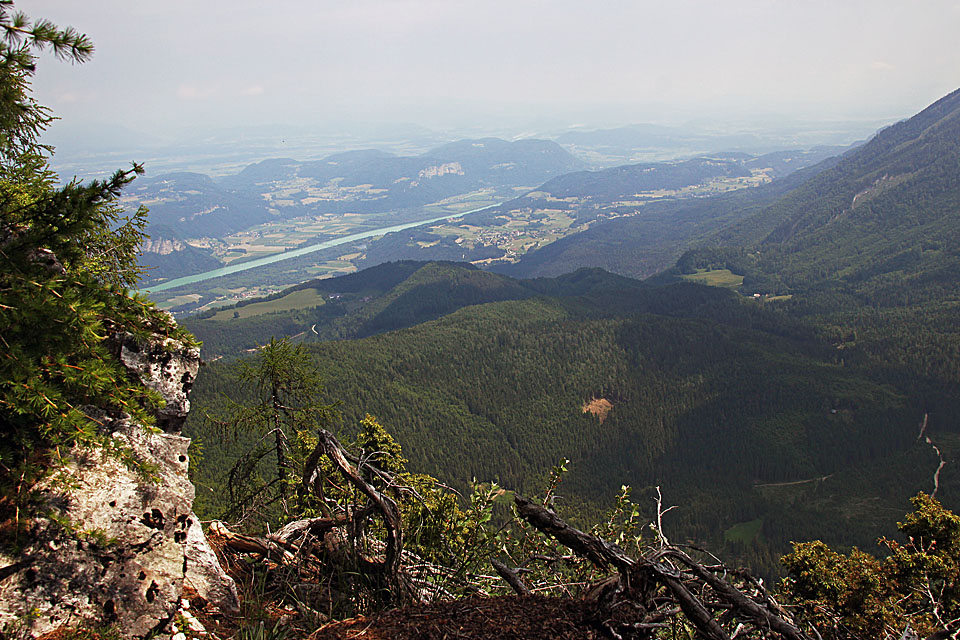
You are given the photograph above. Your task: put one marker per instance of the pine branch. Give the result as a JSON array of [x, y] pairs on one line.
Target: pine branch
[[20, 36]]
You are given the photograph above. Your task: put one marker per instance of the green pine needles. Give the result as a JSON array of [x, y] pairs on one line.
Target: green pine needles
[[22, 35], [282, 409], [67, 258]]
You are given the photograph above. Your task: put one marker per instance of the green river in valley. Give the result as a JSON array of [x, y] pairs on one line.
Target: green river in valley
[[286, 255]]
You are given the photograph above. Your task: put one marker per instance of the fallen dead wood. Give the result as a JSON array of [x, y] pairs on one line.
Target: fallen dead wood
[[511, 577], [247, 544], [598, 551], [341, 556], [318, 526], [715, 606], [328, 445], [691, 606], [757, 614]]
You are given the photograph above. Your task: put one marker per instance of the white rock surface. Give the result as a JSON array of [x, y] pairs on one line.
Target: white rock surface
[[126, 542], [121, 561], [165, 366], [205, 575]]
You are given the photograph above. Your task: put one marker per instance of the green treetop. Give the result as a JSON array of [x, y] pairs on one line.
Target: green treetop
[[282, 390], [67, 258]]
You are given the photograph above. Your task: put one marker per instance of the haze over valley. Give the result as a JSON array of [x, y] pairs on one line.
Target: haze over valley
[[199, 223], [741, 224], [571, 230], [535, 320]]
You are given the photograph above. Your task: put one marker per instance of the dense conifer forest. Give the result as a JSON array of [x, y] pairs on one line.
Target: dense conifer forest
[[796, 410], [723, 402], [375, 440]]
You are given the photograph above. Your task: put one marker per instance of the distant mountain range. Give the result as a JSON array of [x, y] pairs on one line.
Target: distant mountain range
[[194, 205], [402, 181], [190, 206], [783, 408], [186, 206]]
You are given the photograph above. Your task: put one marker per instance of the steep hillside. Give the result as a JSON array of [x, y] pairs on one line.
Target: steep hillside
[[884, 222], [165, 255], [431, 292], [869, 251], [736, 411], [398, 295]]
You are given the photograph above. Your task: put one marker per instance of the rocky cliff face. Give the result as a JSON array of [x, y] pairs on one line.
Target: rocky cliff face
[[122, 543], [167, 368], [162, 246]]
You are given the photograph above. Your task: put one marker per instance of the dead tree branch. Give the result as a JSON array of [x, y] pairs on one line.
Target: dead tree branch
[[511, 577], [598, 551], [328, 445], [693, 588]]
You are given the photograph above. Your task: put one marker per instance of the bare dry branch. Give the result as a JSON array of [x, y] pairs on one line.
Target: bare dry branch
[[511, 577]]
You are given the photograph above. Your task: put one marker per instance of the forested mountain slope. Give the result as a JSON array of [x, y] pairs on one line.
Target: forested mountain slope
[[767, 420], [656, 235], [398, 295], [738, 412], [884, 222], [386, 297], [869, 250]]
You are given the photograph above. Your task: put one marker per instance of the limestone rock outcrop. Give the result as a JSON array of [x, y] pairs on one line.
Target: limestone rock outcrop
[[167, 368], [123, 539], [206, 578]]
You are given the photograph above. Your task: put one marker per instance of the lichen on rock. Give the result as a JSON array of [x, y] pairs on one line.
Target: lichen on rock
[[168, 367], [121, 538]]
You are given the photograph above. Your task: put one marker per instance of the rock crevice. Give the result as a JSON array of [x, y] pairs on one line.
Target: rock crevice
[[123, 541]]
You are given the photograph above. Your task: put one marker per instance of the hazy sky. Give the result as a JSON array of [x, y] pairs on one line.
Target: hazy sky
[[164, 64]]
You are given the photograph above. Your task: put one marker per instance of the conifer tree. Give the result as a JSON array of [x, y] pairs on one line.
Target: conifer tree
[[282, 410], [68, 256]]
